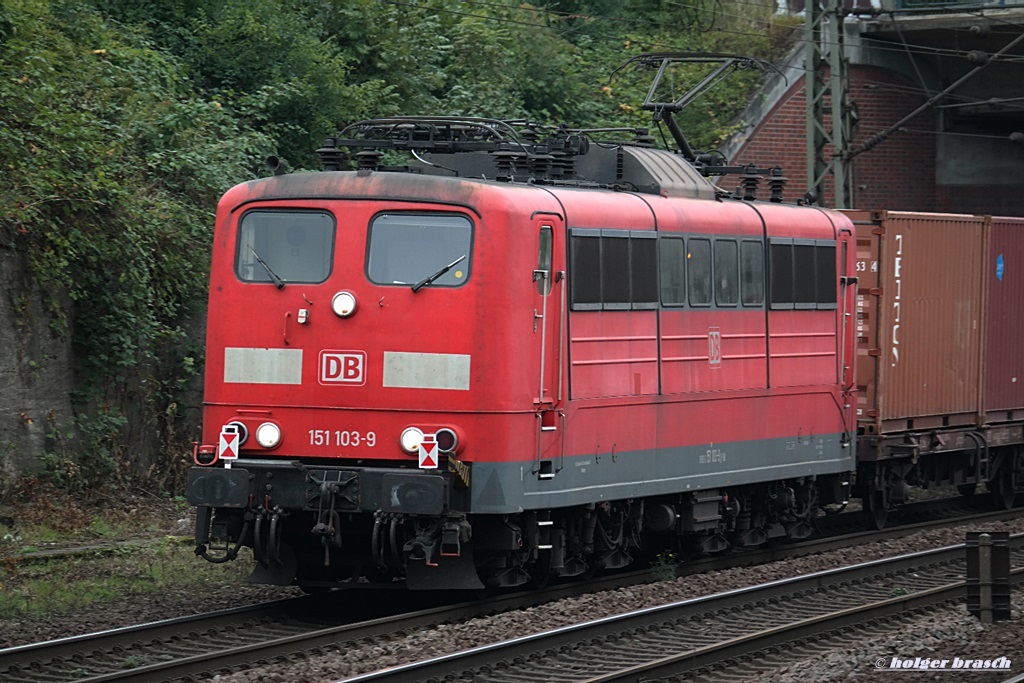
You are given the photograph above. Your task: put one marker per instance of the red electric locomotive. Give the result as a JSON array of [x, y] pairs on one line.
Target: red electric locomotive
[[526, 354]]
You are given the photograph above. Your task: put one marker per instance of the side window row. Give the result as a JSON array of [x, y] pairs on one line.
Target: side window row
[[701, 271], [613, 269], [803, 273], [619, 270]]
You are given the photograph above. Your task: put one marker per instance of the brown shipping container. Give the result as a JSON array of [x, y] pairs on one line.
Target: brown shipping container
[[919, 309], [1004, 321]]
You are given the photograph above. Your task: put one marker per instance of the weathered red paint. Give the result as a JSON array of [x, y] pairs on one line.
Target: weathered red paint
[[637, 379]]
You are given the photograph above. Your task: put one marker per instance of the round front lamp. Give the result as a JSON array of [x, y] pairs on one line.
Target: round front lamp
[[268, 435], [411, 439], [343, 304]]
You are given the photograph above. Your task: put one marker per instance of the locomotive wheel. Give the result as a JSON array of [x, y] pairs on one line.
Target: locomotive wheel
[[540, 577], [540, 571], [874, 509], [377, 575], [967, 489]]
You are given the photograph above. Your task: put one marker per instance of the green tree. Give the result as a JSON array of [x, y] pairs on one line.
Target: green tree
[[113, 164], [124, 121]]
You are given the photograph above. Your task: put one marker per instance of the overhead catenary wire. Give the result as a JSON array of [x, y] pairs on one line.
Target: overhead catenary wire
[[882, 135], [952, 134]]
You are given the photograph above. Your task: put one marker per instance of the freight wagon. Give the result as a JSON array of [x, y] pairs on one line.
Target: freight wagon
[[940, 373]]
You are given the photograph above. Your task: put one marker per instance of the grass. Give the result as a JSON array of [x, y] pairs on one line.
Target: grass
[[159, 559], [665, 566], [58, 586]]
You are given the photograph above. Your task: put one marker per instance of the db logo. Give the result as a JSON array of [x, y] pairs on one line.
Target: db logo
[[342, 367], [714, 347]]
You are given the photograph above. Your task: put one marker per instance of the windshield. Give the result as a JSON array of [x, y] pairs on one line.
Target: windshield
[[407, 248], [294, 246]]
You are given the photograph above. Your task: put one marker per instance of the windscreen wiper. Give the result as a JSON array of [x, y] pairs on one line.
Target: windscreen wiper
[[426, 281], [273, 276]]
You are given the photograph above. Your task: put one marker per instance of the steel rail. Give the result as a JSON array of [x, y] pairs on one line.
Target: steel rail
[[482, 662], [118, 649], [110, 654], [737, 647]]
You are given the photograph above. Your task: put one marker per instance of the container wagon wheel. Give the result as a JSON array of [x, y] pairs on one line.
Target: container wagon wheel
[[1002, 489], [874, 509]]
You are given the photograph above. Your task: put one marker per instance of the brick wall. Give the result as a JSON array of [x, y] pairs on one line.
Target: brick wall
[[898, 173]]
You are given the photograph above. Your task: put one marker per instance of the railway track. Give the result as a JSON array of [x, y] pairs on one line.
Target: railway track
[[244, 637], [664, 641]]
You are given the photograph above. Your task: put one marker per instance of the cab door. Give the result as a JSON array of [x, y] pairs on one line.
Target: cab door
[[848, 305], [549, 296]]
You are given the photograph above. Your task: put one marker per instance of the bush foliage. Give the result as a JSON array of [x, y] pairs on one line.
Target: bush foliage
[[124, 120]]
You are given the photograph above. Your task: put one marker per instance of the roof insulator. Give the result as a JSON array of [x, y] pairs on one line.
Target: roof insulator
[[776, 183], [978, 57], [751, 180], [643, 138], [368, 159], [504, 160]]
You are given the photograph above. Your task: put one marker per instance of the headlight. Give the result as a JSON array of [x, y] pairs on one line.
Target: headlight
[[243, 432], [268, 435], [411, 439], [447, 440], [343, 304]]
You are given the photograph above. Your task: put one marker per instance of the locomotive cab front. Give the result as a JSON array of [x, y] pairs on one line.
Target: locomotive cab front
[[352, 374]]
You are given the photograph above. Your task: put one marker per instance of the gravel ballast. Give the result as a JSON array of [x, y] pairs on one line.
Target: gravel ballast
[[944, 633]]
